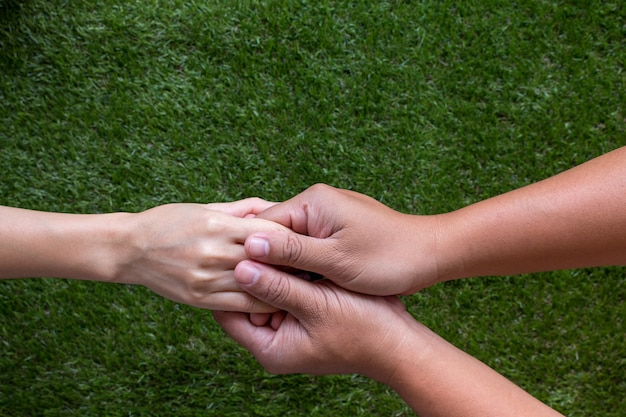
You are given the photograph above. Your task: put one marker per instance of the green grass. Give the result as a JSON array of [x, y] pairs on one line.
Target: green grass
[[426, 106]]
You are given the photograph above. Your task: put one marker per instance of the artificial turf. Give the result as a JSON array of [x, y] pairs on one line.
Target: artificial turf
[[426, 106]]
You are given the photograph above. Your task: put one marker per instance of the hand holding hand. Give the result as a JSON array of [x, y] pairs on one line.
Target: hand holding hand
[[187, 252], [324, 329], [351, 239]]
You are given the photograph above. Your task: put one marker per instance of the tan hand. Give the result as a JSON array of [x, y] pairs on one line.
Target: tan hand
[[351, 239], [324, 329]]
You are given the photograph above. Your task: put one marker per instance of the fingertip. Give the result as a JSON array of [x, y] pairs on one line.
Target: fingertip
[[260, 319], [220, 316], [236, 325], [246, 273], [257, 246], [277, 319]]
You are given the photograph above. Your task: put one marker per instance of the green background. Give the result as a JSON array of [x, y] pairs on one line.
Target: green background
[[426, 106]]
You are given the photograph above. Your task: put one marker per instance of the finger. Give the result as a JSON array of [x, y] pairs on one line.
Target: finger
[[297, 212], [239, 327], [287, 248], [260, 319], [242, 208], [278, 289], [214, 282], [238, 229], [238, 301], [219, 254], [276, 319]]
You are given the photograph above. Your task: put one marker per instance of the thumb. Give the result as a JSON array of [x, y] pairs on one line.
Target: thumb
[[276, 288], [287, 248]]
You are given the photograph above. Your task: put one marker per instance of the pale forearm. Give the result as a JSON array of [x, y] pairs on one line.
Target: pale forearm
[[41, 244], [184, 252], [574, 219]]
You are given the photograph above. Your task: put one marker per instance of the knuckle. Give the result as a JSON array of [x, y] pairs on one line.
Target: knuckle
[[216, 258], [255, 200], [205, 252], [277, 290], [248, 303], [319, 186], [198, 289], [327, 189], [293, 249], [214, 222], [195, 299]]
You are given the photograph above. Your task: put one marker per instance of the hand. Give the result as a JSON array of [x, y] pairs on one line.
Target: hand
[[187, 252], [324, 329], [351, 239]]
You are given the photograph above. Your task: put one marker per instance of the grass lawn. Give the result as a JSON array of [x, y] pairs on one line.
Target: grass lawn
[[426, 106]]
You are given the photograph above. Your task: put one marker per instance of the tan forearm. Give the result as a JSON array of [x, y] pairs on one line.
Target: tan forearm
[[41, 244], [442, 380], [574, 219]]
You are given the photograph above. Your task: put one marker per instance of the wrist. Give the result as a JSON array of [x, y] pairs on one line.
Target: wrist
[[433, 254], [401, 357], [403, 361], [111, 247], [449, 252]]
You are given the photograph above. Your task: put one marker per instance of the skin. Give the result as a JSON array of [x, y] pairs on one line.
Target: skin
[[325, 329], [185, 252], [574, 219], [571, 220]]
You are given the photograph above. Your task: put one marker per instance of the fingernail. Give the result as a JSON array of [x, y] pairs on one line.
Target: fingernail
[[258, 247], [247, 274]]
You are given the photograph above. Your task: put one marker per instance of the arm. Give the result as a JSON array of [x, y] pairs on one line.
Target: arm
[[574, 219], [324, 329], [40, 244], [185, 252]]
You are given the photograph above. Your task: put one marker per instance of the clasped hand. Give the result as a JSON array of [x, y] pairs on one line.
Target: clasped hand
[[187, 252]]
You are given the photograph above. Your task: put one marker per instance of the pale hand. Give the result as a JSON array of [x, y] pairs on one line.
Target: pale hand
[[187, 252]]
